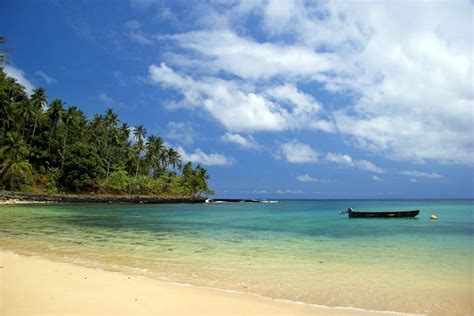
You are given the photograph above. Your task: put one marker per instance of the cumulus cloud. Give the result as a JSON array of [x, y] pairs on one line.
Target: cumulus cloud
[[375, 178], [420, 174], [238, 107], [198, 156], [306, 109], [20, 77], [237, 110], [297, 152], [46, 78], [181, 131], [406, 69], [245, 142], [347, 161], [306, 178]]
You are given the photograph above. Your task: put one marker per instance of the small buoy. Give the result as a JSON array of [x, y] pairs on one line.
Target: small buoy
[[433, 216]]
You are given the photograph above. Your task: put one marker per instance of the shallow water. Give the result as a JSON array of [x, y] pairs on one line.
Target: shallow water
[[295, 250]]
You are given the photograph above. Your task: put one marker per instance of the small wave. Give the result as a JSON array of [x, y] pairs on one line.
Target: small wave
[[269, 201], [342, 308]]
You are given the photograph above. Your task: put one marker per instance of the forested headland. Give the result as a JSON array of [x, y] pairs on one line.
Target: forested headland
[[49, 147]]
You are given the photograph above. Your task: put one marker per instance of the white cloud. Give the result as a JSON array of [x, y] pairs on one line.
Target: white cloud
[[305, 109], [104, 98], [140, 37], [408, 68], [20, 77], [347, 161], [45, 77], [181, 131], [296, 152], [420, 174], [413, 180], [375, 178], [213, 159], [306, 178], [235, 109], [245, 142], [133, 25], [289, 191], [248, 59]]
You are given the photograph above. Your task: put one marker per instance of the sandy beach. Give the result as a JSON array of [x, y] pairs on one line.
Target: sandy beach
[[32, 286]]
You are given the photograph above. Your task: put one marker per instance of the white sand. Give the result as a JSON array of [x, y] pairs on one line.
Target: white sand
[[31, 286]]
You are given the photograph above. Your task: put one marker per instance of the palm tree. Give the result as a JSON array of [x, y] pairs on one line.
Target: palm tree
[[15, 147], [125, 132], [131, 154], [155, 145], [39, 101], [70, 118], [139, 148], [139, 132], [24, 112], [55, 112], [174, 158], [163, 158], [15, 169], [15, 172], [111, 118]]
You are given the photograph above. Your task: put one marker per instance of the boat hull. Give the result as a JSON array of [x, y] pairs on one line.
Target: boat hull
[[390, 214]]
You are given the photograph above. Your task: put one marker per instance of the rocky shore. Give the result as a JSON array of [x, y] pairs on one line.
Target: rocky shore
[[8, 197]]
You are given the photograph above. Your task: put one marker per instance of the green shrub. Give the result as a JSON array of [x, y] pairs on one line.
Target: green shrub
[[52, 176], [118, 182], [141, 185]]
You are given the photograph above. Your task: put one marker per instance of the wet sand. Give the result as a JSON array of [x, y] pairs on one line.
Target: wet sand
[[32, 286]]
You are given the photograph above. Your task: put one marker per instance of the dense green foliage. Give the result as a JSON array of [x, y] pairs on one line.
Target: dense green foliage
[[46, 146]]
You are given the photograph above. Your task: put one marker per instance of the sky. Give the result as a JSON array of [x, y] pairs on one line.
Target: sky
[[277, 99]]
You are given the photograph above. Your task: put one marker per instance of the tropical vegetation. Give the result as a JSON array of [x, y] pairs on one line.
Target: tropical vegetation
[[47, 146]]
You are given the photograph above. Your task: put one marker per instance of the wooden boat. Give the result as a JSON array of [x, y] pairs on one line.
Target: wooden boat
[[384, 214]]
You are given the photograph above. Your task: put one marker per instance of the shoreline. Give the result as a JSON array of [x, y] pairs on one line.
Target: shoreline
[[39, 286], [11, 198]]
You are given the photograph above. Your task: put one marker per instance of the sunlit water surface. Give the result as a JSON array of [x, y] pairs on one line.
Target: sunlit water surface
[[296, 250]]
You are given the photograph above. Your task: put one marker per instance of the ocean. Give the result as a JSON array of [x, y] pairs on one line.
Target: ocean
[[296, 250]]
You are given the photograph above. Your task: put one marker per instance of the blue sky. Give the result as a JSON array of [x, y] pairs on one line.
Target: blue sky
[[278, 99]]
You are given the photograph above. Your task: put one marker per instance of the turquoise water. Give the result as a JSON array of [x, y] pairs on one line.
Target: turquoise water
[[296, 250]]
